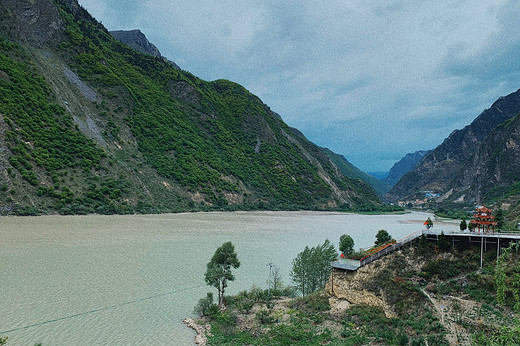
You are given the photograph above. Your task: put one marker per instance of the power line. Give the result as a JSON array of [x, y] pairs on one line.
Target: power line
[[100, 309]]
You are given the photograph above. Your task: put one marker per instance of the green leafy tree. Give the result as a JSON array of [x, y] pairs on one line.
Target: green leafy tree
[[3, 341], [382, 237], [499, 218], [311, 268], [470, 226], [463, 225], [346, 245], [428, 223], [218, 272]]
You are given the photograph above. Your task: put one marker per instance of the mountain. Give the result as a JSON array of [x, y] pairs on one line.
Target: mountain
[[405, 165], [465, 158], [352, 172], [136, 40], [493, 171], [88, 124]]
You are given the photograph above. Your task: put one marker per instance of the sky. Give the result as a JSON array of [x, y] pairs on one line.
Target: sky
[[371, 80]]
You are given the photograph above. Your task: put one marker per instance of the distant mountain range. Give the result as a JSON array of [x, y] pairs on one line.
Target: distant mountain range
[[478, 164], [88, 124], [405, 165]]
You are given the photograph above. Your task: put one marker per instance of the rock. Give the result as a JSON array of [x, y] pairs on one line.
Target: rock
[[201, 338], [136, 40]]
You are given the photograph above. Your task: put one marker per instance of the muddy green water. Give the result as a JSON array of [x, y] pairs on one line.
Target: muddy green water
[[129, 280]]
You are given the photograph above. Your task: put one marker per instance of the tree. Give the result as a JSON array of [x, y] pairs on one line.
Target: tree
[[470, 227], [499, 218], [311, 268], [463, 225], [382, 237], [218, 271], [346, 245], [428, 223]]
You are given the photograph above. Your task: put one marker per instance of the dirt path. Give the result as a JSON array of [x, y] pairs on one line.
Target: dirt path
[[444, 308]]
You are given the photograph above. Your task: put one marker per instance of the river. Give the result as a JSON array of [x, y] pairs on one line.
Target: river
[[129, 280]]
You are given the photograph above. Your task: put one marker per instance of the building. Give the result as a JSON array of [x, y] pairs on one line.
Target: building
[[483, 220]]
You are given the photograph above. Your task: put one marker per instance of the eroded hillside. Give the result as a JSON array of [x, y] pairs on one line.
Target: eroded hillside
[[93, 126]]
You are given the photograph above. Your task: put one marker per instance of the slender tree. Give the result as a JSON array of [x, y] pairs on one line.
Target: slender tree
[[218, 272], [499, 218], [463, 225], [311, 268]]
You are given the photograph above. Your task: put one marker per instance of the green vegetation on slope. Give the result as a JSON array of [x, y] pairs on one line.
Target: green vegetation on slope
[[148, 137], [46, 146], [352, 172], [204, 136]]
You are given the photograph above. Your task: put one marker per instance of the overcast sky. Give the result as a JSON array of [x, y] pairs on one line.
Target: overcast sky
[[372, 80]]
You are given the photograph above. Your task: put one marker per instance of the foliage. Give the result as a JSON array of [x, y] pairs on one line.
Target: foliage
[[428, 223], [218, 271], [311, 268], [382, 237], [3, 340], [463, 225], [312, 305], [499, 218], [346, 244], [443, 243], [363, 323], [445, 268], [202, 135], [507, 281], [451, 213], [205, 305]]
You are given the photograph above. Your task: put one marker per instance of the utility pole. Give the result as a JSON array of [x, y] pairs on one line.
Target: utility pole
[[269, 280], [481, 250]]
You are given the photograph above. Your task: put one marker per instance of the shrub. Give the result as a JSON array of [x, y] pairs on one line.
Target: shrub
[[205, 305]]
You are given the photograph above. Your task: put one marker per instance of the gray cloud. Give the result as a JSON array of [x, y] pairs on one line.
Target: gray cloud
[[372, 80]]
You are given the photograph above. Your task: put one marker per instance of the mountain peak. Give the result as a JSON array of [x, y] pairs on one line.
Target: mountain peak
[[136, 40]]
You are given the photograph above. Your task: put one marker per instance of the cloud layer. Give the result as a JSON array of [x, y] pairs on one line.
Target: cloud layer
[[372, 80]]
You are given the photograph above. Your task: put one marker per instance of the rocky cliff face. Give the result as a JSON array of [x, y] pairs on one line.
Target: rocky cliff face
[[136, 40], [35, 22], [437, 171], [405, 165], [494, 168]]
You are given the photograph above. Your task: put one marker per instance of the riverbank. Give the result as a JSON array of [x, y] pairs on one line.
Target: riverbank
[[202, 328]]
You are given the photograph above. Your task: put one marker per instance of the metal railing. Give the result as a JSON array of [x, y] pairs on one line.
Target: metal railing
[[377, 253]]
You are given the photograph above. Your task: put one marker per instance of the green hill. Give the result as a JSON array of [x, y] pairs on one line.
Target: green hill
[[90, 125]]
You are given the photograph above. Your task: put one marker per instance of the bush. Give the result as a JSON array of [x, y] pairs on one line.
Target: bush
[[205, 305], [382, 237]]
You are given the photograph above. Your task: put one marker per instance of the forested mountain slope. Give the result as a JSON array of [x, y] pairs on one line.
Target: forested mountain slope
[[90, 125]]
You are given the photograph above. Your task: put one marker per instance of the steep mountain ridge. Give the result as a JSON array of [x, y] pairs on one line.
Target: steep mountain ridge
[[440, 168], [405, 165], [493, 171], [94, 126], [352, 172]]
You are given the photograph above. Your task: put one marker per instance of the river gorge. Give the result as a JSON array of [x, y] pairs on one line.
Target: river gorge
[[121, 280]]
